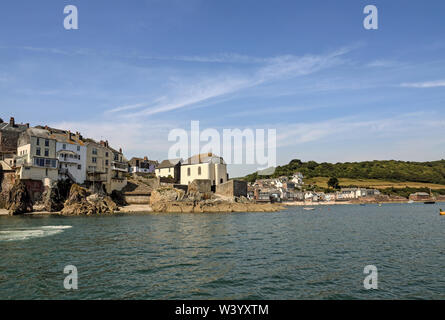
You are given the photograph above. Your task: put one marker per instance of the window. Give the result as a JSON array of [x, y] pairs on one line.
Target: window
[[38, 141], [64, 146], [79, 167], [46, 143], [46, 172], [46, 152], [94, 160], [38, 151], [106, 162], [199, 171], [188, 172], [78, 148], [106, 154], [221, 180], [94, 151]]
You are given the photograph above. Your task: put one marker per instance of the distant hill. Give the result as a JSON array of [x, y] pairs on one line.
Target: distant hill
[[425, 172]]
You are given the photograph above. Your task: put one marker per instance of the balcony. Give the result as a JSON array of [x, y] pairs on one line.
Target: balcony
[[67, 156], [119, 166]]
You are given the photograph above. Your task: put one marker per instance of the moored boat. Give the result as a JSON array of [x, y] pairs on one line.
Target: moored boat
[[441, 212]]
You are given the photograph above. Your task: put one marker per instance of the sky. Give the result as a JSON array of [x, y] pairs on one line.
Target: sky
[[133, 71]]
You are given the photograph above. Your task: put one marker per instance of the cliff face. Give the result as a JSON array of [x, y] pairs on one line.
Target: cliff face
[[171, 200]]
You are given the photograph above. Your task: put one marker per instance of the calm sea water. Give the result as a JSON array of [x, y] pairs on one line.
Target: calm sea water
[[294, 254]]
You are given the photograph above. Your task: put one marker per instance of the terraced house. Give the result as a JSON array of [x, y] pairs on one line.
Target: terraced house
[[119, 170], [105, 167], [71, 154], [36, 156], [9, 135]]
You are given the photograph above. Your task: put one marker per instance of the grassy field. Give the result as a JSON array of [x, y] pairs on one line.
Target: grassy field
[[371, 183]]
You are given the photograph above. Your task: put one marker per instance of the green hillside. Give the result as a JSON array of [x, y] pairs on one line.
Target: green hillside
[[422, 172]]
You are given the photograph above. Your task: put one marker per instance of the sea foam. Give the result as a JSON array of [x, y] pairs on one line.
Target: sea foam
[[30, 233]]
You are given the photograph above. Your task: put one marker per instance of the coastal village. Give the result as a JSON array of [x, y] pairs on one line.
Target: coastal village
[[40, 165]]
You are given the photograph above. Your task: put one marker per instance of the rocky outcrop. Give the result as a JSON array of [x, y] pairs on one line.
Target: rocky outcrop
[[171, 200], [81, 202], [19, 201], [55, 196]]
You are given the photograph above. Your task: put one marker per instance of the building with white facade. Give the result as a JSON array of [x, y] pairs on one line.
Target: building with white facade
[[36, 156], [204, 166], [139, 165], [71, 154], [170, 168]]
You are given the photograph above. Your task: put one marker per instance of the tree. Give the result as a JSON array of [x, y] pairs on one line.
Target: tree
[[333, 183]]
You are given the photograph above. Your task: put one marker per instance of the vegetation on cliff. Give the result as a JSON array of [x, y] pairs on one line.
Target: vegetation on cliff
[[425, 172]]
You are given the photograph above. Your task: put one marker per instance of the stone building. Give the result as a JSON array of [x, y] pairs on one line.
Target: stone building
[[9, 136]]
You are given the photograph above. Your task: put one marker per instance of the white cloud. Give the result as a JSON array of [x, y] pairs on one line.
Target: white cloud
[[427, 84]]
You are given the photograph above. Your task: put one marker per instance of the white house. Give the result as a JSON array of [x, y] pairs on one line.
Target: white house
[[204, 166], [170, 168], [72, 155], [297, 178]]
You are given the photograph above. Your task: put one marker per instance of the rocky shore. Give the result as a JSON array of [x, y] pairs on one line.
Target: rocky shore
[[76, 200], [171, 200]]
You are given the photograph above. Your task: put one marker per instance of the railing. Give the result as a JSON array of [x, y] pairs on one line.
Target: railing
[[37, 162], [119, 166]]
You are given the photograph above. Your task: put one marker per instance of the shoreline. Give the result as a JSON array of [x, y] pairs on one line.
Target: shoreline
[[138, 209], [336, 203]]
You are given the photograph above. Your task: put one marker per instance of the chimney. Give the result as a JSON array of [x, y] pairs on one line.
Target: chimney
[[12, 122], [27, 125], [102, 143], [69, 134], [106, 143], [120, 150], [145, 158]]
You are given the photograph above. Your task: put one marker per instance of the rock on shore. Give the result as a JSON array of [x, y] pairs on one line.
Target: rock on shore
[[171, 200], [19, 201], [81, 202]]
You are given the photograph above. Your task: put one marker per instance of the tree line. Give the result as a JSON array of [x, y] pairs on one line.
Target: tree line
[[391, 170]]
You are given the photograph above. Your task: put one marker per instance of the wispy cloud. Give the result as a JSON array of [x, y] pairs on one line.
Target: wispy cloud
[[187, 92], [382, 64], [352, 128], [427, 84]]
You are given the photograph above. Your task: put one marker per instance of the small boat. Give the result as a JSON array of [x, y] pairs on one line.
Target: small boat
[[441, 212], [380, 204], [429, 202], [362, 204], [411, 201], [308, 209]]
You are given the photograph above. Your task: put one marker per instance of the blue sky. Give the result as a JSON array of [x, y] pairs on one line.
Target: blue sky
[[135, 70]]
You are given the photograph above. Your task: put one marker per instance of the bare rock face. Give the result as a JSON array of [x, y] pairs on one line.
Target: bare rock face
[[81, 202], [19, 201], [55, 196]]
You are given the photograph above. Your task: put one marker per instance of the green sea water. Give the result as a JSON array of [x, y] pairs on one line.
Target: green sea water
[[293, 254]]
